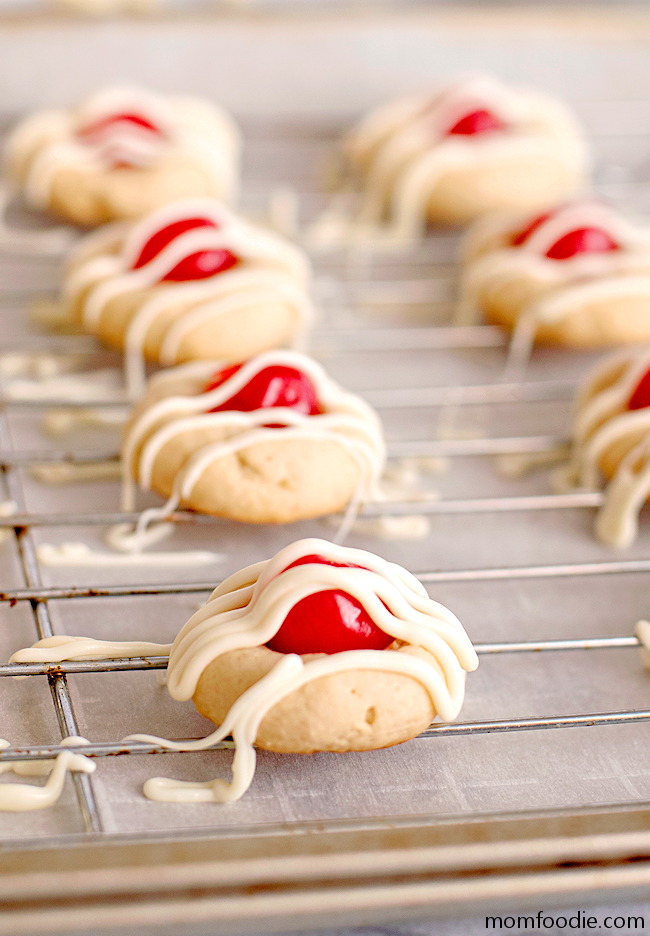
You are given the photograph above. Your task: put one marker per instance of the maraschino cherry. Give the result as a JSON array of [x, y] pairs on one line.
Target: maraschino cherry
[[641, 395], [275, 385], [329, 621], [102, 134], [477, 122], [196, 266], [158, 241], [98, 127], [580, 240], [201, 265]]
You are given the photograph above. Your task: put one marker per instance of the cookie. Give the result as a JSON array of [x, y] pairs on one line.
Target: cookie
[[611, 442], [191, 281], [123, 153], [273, 440], [577, 275], [473, 147], [327, 648], [321, 648]]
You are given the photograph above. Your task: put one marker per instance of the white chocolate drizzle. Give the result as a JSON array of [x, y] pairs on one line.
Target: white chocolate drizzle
[[25, 797], [63, 647], [189, 130], [248, 609], [62, 420], [603, 422], [81, 554], [408, 151], [37, 365], [269, 270], [517, 465], [102, 386], [408, 527]]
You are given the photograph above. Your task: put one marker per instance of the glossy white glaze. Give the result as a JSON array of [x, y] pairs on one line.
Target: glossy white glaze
[[26, 797], [128, 552]]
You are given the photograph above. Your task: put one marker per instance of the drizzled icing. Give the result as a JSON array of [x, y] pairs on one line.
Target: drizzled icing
[[80, 554], [603, 424], [107, 268], [102, 386], [182, 129], [346, 419], [408, 148], [562, 286], [25, 797], [38, 365], [248, 609], [62, 647]]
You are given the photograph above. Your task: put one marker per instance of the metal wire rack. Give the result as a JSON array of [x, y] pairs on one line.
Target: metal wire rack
[[378, 322]]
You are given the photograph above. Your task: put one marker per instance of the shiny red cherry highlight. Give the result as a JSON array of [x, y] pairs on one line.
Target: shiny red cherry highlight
[[275, 385], [329, 621], [158, 241], [475, 123], [201, 265], [582, 240]]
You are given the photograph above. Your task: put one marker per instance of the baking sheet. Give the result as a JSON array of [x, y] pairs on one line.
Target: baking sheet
[[436, 776]]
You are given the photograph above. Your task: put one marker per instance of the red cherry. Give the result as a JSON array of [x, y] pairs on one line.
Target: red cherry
[[315, 559], [328, 621], [478, 121], [582, 240], [201, 265], [158, 241], [106, 123], [641, 395], [522, 236], [275, 385]]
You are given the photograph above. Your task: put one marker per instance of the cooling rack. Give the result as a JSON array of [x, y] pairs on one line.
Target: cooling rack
[[540, 790]]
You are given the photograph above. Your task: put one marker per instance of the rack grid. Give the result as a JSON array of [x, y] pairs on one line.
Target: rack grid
[[370, 330]]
